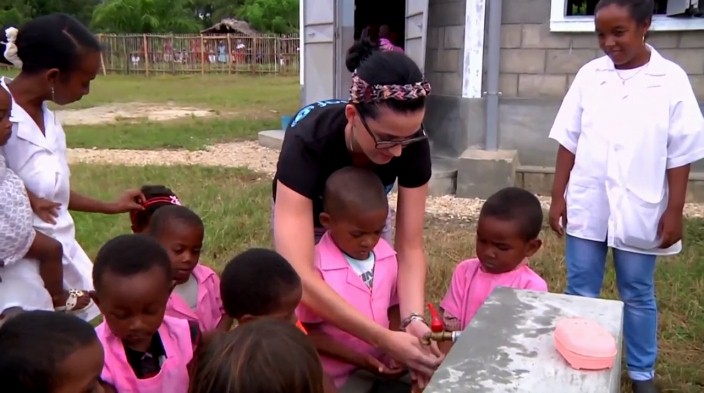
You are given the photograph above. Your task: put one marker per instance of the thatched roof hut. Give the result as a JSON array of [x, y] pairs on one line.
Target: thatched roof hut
[[231, 26]]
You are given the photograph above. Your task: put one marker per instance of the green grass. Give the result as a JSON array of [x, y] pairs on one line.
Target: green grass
[[191, 134], [223, 92], [235, 208], [242, 105]]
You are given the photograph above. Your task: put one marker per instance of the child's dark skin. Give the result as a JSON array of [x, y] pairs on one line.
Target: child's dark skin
[[287, 312], [356, 233], [45, 249], [134, 307], [184, 242], [501, 247], [80, 371]]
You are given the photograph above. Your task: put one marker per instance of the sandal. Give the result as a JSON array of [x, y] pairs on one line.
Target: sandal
[[72, 301]]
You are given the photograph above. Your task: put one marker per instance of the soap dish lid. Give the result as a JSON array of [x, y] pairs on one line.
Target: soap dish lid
[[585, 337]]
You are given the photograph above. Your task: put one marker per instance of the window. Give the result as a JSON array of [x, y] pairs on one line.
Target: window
[[670, 15]]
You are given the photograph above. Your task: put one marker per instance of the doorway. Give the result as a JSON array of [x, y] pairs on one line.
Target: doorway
[[353, 16], [373, 14]]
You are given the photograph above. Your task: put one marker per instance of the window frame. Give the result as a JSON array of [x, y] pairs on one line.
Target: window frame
[[561, 23]]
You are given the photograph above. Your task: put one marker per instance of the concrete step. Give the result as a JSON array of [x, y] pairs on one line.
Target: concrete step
[[273, 139], [443, 180]]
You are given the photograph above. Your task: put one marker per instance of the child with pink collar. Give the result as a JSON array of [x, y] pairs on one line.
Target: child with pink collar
[[145, 351], [362, 268], [507, 235], [196, 292]]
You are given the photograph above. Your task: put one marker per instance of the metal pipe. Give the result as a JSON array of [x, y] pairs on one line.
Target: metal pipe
[[493, 65], [440, 337]]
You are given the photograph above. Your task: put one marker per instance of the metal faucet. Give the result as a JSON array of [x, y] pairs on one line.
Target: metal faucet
[[438, 332]]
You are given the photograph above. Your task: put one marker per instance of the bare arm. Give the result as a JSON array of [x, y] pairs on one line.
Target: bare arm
[[293, 235], [82, 203], [677, 179], [445, 346], [563, 166], [225, 324], [412, 264], [328, 346]]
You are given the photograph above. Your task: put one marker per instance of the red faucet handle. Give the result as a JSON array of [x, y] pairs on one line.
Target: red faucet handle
[[436, 324]]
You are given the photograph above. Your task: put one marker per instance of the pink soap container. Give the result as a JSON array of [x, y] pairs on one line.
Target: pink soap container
[[585, 344]]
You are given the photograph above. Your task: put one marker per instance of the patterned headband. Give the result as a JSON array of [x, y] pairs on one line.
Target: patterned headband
[[362, 91]]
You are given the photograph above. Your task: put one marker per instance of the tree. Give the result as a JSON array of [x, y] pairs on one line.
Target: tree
[[145, 16], [274, 16], [14, 12]]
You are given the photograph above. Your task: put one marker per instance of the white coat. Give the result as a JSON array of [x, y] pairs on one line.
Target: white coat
[[40, 161], [625, 136]]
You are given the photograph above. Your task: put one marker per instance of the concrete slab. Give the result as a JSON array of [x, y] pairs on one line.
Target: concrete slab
[[272, 139], [443, 180], [481, 173], [508, 347]]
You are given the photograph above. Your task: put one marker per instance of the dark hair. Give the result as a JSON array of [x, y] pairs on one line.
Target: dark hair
[[51, 41], [167, 215], [378, 67], [129, 255], [140, 219], [641, 10], [353, 189], [264, 356], [516, 204], [255, 282], [32, 346]]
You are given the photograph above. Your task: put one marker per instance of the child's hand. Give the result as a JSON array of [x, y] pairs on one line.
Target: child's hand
[[45, 209], [375, 366]]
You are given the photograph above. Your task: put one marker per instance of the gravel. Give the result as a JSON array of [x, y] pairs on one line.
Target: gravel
[[261, 159]]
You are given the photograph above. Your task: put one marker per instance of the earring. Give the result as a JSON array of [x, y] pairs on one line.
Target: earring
[[53, 94]]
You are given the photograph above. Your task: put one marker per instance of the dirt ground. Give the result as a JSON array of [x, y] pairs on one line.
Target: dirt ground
[[126, 112]]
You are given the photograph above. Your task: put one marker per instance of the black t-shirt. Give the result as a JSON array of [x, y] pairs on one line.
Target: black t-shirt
[[314, 147]]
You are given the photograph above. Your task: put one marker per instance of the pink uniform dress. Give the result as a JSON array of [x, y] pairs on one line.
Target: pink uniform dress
[[209, 311], [373, 302], [173, 377], [470, 286]]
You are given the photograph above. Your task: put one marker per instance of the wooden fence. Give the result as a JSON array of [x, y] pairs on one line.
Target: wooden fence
[[205, 54]]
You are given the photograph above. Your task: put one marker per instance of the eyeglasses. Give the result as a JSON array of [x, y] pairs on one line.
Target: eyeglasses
[[385, 144]]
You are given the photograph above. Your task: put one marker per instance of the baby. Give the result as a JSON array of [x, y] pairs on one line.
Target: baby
[[19, 239]]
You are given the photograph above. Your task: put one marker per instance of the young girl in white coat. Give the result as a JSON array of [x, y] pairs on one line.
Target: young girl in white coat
[[58, 58], [628, 128]]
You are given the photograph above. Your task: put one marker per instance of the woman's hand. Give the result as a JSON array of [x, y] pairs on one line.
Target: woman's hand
[[130, 200], [45, 209], [670, 228], [406, 348], [421, 330], [558, 215]]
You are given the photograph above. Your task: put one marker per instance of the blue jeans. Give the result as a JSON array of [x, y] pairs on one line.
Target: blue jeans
[[635, 279]]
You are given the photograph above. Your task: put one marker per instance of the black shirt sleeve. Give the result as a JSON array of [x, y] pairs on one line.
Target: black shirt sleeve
[[414, 168], [299, 165]]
